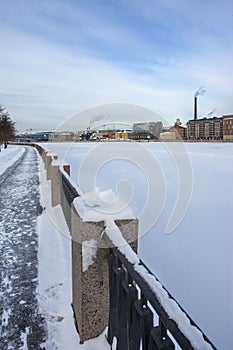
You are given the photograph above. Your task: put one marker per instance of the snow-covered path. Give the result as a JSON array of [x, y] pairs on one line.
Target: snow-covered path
[[21, 325], [35, 261]]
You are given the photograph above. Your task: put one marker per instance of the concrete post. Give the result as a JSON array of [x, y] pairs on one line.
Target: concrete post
[[49, 160], [91, 287], [56, 188], [55, 185], [44, 154]]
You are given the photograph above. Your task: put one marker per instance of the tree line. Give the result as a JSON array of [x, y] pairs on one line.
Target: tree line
[[7, 127]]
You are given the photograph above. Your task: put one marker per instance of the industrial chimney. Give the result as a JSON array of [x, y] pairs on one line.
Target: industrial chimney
[[195, 108], [200, 92]]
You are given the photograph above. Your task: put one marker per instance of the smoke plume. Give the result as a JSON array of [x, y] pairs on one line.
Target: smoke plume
[[200, 91], [99, 118], [211, 112]]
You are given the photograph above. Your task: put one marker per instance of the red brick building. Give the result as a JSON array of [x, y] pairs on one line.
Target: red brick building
[[180, 131], [227, 127]]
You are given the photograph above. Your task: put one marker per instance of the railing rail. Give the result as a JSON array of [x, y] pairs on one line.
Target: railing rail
[[69, 191], [67, 194], [132, 308]]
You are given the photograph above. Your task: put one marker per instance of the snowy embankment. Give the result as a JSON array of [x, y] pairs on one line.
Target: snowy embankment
[[9, 156], [195, 261], [54, 289]]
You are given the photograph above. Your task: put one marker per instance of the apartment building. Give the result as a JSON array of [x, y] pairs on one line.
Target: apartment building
[[205, 129]]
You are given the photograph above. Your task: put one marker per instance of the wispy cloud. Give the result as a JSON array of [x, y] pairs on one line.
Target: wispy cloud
[[58, 60]]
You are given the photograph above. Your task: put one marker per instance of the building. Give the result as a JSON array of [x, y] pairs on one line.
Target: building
[[205, 129], [179, 131], [63, 136], [227, 127], [168, 136], [143, 130], [122, 135], [40, 136]]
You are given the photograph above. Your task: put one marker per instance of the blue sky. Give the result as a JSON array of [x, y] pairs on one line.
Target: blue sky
[[61, 57]]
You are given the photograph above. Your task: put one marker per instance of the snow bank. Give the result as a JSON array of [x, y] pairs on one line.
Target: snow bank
[[9, 156]]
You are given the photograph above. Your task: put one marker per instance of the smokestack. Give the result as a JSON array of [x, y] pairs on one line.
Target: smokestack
[[195, 108], [199, 92]]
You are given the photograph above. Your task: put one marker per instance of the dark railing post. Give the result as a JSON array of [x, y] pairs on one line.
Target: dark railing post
[[156, 342], [122, 336], [141, 325], [128, 296], [147, 325], [133, 296], [162, 329], [116, 277], [112, 297]]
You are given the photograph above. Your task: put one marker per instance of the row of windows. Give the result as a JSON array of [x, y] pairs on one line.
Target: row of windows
[[227, 120]]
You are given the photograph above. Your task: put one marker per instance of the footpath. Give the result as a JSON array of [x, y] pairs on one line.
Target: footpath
[[21, 325]]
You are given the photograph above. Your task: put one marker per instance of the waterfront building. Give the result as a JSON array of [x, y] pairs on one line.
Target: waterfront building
[[205, 129]]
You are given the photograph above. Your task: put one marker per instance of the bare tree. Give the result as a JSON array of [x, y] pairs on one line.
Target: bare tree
[[7, 127]]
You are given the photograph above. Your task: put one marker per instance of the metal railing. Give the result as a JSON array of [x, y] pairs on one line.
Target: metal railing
[[68, 194], [69, 191], [133, 306]]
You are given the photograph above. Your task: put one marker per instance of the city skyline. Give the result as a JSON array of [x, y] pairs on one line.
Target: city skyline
[[60, 58]]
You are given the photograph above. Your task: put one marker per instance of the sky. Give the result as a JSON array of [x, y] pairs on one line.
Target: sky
[[62, 57]]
